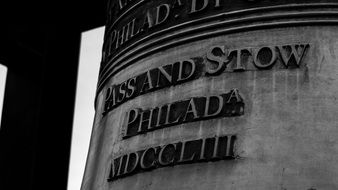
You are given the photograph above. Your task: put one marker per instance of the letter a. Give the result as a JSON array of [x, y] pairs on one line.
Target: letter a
[[235, 94], [191, 109]]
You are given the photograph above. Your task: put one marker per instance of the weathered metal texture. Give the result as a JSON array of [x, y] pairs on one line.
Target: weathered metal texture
[[272, 65]]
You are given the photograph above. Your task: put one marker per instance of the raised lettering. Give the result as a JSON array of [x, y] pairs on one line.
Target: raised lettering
[[177, 3], [182, 71], [164, 7], [132, 116], [167, 156], [122, 91], [293, 53], [168, 115], [108, 99], [207, 106], [220, 60], [217, 62], [202, 157], [162, 71], [215, 155], [147, 22], [194, 8], [145, 158], [131, 87], [145, 120], [147, 82], [113, 38], [130, 30], [238, 64], [265, 54], [190, 150], [200, 150], [217, 3], [121, 4], [159, 116], [191, 108], [120, 37], [234, 94], [131, 166]]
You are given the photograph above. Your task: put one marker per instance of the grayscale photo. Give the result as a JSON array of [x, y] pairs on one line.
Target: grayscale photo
[[171, 95]]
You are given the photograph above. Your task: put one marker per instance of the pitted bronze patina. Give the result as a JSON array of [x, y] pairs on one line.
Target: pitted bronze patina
[[217, 94]]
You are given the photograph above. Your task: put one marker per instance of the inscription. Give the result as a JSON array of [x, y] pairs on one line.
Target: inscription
[[131, 19], [201, 150], [194, 109], [217, 60], [153, 15], [151, 80]]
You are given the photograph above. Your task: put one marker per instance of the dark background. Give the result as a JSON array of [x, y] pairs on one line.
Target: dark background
[[39, 43]]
